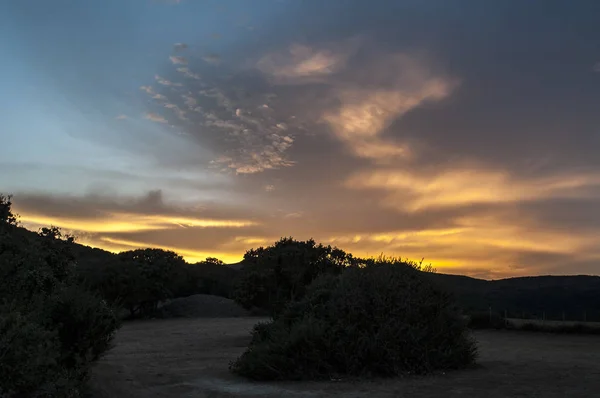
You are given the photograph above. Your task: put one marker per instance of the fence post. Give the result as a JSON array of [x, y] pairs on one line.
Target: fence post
[[505, 318]]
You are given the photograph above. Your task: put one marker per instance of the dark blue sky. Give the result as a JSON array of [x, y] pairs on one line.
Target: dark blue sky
[[465, 132]]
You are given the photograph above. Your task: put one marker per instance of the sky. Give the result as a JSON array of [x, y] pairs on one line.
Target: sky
[[466, 133]]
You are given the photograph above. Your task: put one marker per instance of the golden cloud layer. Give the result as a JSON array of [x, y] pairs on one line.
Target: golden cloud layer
[[129, 222], [412, 191]]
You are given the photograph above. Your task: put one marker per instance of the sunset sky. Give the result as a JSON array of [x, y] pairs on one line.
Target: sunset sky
[[466, 132]]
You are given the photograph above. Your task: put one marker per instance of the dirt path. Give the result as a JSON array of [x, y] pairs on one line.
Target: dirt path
[[189, 358]]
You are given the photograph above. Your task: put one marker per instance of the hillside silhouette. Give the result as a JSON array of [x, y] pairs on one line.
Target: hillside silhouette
[[574, 297], [577, 297]]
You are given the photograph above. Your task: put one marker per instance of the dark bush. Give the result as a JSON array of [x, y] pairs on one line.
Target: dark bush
[[385, 319], [485, 320], [272, 277], [51, 327], [29, 353], [85, 326]]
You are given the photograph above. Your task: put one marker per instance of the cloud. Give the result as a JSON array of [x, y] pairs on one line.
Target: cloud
[[130, 222], [155, 117], [301, 64], [252, 140], [187, 73], [124, 223], [121, 117], [384, 126], [178, 60], [166, 82], [459, 186], [148, 89], [180, 113], [366, 111], [364, 96], [596, 67], [495, 244], [267, 156], [213, 59], [180, 46]]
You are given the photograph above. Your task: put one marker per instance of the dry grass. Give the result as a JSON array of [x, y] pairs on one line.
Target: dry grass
[[520, 322], [189, 358]]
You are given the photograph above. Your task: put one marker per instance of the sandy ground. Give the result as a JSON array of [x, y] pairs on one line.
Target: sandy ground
[[189, 358]]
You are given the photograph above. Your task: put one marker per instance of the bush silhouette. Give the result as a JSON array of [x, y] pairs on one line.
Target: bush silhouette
[[483, 320], [384, 319], [271, 277], [51, 327]]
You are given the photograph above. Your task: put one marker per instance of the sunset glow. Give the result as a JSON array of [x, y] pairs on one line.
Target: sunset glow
[[210, 128]]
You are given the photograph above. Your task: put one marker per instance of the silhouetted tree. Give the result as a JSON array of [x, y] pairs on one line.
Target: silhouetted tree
[[273, 276], [51, 327], [147, 277]]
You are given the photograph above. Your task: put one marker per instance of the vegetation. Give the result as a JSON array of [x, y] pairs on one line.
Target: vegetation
[[139, 280], [272, 277], [383, 318], [51, 328], [485, 320], [331, 313]]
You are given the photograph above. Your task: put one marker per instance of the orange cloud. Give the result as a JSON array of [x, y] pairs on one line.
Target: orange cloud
[[366, 112], [412, 191], [128, 222]]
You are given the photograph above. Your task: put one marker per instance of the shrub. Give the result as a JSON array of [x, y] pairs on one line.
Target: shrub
[[85, 326], [28, 353], [271, 277], [51, 328], [483, 320], [385, 319]]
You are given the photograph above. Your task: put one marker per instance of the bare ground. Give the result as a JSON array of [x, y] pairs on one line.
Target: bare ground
[[189, 358]]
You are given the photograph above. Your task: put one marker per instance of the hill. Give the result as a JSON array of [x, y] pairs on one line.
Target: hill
[[577, 296]]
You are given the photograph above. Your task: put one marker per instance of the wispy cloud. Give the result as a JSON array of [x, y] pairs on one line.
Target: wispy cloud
[[130, 222], [177, 110], [302, 63], [366, 111], [178, 60], [166, 82], [155, 117], [414, 191], [213, 59], [180, 46], [188, 73]]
